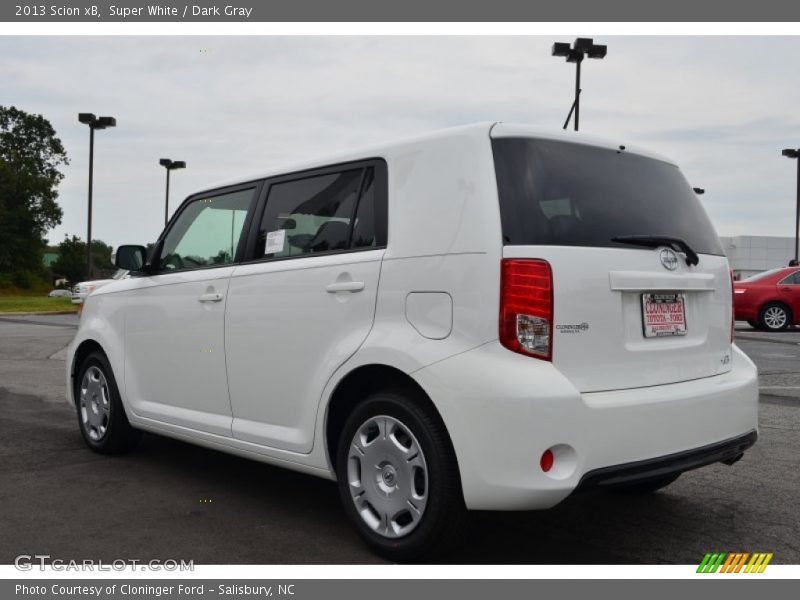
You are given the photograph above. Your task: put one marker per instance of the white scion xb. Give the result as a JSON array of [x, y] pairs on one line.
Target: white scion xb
[[487, 317]]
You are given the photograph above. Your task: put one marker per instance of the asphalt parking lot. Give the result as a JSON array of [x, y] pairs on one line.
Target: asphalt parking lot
[[171, 500]]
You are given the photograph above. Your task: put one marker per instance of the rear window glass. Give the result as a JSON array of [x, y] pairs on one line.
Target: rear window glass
[[565, 194], [792, 279], [764, 274]]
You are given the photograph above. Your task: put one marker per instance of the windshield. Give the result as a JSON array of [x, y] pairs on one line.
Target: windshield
[[566, 194]]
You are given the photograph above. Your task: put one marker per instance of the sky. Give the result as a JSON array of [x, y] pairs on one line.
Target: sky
[[722, 107]]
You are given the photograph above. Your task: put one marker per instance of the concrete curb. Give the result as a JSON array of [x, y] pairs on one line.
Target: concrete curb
[[39, 313]]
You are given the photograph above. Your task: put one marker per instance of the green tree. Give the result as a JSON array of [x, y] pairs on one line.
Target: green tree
[[101, 255], [71, 261], [30, 157]]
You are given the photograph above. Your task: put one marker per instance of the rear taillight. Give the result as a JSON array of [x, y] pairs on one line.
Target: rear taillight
[[526, 307], [733, 316]]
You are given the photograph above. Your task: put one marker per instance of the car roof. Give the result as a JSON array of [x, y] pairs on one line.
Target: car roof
[[501, 130], [486, 129], [776, 273]]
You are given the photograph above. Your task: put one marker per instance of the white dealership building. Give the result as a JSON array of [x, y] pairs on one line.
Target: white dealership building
[[751, 254]]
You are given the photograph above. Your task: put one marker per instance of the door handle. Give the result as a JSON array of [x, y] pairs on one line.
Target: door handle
[[210, 297], [345, 286]]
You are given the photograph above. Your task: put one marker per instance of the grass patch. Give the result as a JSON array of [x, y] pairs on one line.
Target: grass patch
[[38, 303]]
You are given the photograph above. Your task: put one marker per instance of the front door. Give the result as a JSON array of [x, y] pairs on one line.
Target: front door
[[175, 318]]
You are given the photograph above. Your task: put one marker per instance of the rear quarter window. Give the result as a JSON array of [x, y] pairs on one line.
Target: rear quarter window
[[566, 194]]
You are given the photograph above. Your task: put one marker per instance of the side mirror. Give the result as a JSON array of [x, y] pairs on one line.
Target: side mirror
[[130, 258]]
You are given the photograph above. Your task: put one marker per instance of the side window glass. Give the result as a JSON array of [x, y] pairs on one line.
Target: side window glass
[[309, 216], [206, 232], [559, 207], [364, 228]]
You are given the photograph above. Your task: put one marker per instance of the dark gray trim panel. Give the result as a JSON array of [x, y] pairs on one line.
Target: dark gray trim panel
[[725, 451]]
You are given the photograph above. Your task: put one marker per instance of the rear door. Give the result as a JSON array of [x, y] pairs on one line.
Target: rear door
[[306, 300], [624, 315]]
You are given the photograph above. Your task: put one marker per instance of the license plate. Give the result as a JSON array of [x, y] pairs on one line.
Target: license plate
[[663, 315]]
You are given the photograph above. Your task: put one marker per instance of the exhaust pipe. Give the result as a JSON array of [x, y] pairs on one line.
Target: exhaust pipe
[[735, 459]]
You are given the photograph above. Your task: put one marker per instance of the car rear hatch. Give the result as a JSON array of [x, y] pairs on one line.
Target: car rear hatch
[[641, 290]]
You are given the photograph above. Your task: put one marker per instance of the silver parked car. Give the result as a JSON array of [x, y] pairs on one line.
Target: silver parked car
[[60, 294]]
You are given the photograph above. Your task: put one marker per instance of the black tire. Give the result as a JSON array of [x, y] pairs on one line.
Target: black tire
[[645, 487], [774, 308], [441, 523], [118, 436]]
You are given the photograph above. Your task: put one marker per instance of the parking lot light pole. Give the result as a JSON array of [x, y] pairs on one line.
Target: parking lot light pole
[[93, 123], [582, 48], [169, 165], [795, 154]]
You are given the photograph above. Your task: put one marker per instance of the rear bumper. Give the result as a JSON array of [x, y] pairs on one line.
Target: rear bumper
[[503, 410], [727, 451]]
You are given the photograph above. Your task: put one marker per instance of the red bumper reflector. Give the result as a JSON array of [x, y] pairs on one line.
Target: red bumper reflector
[[546, 462]]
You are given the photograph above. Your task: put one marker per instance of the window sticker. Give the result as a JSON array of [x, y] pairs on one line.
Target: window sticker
[[275, 241]]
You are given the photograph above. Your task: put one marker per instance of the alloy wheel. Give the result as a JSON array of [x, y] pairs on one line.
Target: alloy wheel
[[775, 317]]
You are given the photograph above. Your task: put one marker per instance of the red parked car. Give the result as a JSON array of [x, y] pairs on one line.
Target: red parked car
[[769, 300]]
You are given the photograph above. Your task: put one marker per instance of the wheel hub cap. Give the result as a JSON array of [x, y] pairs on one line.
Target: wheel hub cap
[[387, 476], [94, 402]]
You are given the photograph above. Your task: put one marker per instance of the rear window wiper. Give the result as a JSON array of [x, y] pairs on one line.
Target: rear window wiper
[[654, 241]]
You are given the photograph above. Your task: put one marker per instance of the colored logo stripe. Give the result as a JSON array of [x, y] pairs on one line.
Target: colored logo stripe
[[734, 562], [711, 563], [758, 563]]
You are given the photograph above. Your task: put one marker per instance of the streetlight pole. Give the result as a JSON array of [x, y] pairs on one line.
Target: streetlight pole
[[166, 201], [89, 224], [93, 123], [169, 165], [795, 154], [582, 48], [577, 93]]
